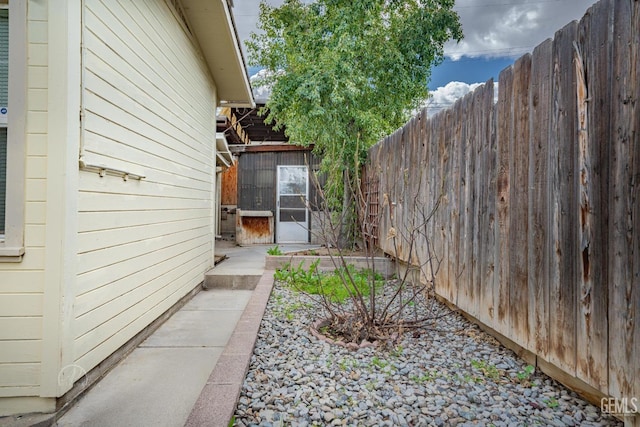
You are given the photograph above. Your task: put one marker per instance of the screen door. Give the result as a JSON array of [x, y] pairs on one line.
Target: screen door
[[292, 217]]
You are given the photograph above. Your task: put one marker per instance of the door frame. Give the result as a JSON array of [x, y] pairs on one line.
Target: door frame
[[285, 230]]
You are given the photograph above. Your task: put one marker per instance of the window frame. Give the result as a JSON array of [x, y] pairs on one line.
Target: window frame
[[12, 242]]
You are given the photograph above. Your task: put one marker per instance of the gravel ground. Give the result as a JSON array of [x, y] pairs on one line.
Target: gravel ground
[[457, 376]]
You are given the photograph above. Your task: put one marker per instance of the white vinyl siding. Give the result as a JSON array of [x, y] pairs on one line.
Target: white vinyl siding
[[22, 283], [148, 109]]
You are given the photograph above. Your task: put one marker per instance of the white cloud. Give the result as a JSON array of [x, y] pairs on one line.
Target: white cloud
[[510, 28], [261, 93], [445, 96], [492, 28]]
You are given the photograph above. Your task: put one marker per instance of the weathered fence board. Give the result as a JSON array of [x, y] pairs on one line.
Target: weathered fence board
[[538, 269], [451, 246], [486, 199], [537, 232], [593, 65], [562, 307], [504, 135], [633, 367], [518, 204], [624, 202], [473, 206], [465, 290]]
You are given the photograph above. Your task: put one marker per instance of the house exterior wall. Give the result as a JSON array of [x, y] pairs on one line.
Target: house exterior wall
[[22, 283], [149, 108], [104, 256]]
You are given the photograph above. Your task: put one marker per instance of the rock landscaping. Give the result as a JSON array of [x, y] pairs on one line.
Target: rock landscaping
[[449, 374]]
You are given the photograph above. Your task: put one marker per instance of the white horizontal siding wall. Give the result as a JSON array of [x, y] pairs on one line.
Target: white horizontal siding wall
[[149, 109], [22, 284]]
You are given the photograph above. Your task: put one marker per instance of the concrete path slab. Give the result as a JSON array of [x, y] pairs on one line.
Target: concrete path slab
[[217, 401], [161, 380], [219, 299], [198, 328], [151, 387]]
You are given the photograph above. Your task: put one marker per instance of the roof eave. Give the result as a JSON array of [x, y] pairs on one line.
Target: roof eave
[[212, 25]]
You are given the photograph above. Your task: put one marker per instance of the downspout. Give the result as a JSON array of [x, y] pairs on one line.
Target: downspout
[[218, 210], [83, 50]]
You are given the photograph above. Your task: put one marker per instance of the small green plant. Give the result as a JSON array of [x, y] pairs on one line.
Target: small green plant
[[397, 351], [331, 285], [287, 309], [472, 379], [487, 369], [329, 361], [424, 378], [298, 276], [525, 374], [551, 402], [291, 308], [379, 363], [346, 363], [274, 250]]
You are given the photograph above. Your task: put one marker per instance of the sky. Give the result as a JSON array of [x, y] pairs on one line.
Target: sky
[[496, 33]]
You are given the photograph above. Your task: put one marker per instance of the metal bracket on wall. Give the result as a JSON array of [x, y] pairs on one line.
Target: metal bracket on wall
[[105, 170]]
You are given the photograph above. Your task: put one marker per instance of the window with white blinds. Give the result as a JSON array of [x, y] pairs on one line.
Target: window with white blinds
[[13, 98], [4, 101]]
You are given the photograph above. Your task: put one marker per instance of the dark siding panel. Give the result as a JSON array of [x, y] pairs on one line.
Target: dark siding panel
[[257, 173]]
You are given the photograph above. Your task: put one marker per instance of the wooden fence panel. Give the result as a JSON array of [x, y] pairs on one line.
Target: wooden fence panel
[[473, 140], [538, 245], [435, 225], [432, 190], [633, 368], [518, 204], [487, 205], [503, 136], [451, 247], [404, 196], [445, 218], [624, 202], [538, 230], [593, 68], [425, 142], [562, 301], [463, 282]]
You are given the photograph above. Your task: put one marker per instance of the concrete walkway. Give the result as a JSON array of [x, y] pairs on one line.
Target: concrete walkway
[[190, 370], [159, 382]]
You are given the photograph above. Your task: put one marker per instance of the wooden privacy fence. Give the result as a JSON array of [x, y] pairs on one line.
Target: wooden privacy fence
[[538, 227]]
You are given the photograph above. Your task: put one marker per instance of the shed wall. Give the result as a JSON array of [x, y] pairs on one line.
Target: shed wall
[[257, 174]]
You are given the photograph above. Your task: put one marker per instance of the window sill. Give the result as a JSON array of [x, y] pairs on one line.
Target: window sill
[[11, 254]]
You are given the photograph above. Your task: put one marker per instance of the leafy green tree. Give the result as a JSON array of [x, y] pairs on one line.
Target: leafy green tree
[[346, 73]]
